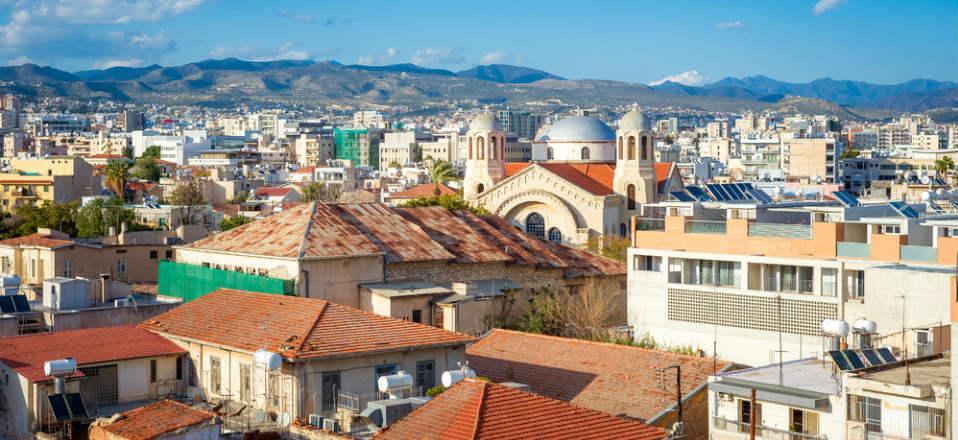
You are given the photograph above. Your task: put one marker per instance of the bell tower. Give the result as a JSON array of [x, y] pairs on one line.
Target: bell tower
[[634, 171], [485, 161]]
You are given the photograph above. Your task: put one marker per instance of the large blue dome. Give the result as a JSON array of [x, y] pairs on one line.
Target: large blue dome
[[579, 128]]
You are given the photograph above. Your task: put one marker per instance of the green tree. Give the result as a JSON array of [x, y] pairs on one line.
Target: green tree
[[233, 221], [95, 219], [439, 172], [145, 168], [850, 153], [151, 152], [188, 193], [28, 218], [117, 173], [944, 166], [448, 201], [240, 197], [320, 192]]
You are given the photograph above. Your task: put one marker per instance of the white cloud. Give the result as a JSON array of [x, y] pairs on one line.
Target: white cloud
[[824, 6], [436, 57], [20, 60], [382, 58], [106, 64], [297, 16], [494, 58], [119, 11], [689, 78], [286, 51], [730, 25]]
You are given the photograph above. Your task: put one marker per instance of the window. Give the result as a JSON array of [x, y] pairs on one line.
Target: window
[[215, 375], [121, 268], [891, 229], [33, 268], [631, 149], [179, 368], [550, 153], [585, 153], [67, 268], [866, 410], [480, 148], [417, 316], [803, 422], [926, 422], [630, 197], [536, 225], [855, 283], [480, 188], [245, 382], [645, 148], [646, 263], [152, 370], [555, 235], [169, 254], [493, 148], [675, 270], [425, 375], [829, 282], [330, 388], [745, 415], [619, 156], [922, 342], [154, 255], [5, 264]]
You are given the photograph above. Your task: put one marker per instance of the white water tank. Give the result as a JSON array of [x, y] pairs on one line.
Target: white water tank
[[865, 326], [395, 382], [835, 327], [267, 359], [60, 367], [452, 377]]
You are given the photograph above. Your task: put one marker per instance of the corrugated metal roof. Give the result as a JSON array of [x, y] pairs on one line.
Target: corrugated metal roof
[[459, 238], [399, 239]]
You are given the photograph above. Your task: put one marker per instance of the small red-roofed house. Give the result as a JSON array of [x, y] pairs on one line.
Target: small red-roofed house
[[479, 410], [327, 350], [115, 366], [423, 190], [165, 419]]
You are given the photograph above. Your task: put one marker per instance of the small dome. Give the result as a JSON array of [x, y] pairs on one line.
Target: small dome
[[634, 120], [579, 128], [542, 132], [485, 122]]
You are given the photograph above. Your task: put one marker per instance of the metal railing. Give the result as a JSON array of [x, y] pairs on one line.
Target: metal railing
[[853, 249], [779, 230], [705, 227], [919, 253], [763, 432], [649, 224]]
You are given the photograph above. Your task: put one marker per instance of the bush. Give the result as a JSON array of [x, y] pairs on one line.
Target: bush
[[435, 391]]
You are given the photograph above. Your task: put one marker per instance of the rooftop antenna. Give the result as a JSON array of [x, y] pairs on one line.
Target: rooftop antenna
[[904, 347], [780, 351]]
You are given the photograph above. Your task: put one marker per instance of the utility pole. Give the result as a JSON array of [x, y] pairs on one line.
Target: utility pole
[[751, 416], [678, 395]]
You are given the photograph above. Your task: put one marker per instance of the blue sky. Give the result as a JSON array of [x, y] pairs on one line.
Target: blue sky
[[694, 42]]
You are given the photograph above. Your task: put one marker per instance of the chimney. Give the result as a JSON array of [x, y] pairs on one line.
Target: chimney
[[104, 278]]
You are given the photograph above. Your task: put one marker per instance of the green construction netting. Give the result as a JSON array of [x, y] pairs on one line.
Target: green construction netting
[[189, 281]]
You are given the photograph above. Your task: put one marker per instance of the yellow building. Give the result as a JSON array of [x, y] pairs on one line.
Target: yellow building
[[54, 179]]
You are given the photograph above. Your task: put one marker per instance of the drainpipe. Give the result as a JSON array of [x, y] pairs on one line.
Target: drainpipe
[[305, 283]]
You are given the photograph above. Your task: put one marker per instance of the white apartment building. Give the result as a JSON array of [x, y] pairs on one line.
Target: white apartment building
[[400, 147], [369, 119], [176, 149], [731, 278]]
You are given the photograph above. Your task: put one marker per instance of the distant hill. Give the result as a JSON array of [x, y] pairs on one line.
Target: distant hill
[[232, 81], [505, 73]]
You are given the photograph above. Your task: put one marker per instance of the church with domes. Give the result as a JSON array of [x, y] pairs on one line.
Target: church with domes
[[585, 180]]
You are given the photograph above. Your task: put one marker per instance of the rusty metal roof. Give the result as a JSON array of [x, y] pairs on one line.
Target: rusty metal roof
[[402, 241], [461, 239]]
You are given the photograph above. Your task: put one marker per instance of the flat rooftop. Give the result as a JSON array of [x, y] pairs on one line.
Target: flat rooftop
[[809, 374], [933, 372]]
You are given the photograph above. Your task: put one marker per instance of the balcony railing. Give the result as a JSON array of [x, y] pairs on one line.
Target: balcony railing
[[803, 232], [919, 253], [705, 227], [649, 224], [853, 249], [763, 432]]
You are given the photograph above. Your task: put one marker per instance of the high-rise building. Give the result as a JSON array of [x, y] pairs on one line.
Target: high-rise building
[[130, 120], [9, 111], [523, 124], [369, 119], [358, 145]]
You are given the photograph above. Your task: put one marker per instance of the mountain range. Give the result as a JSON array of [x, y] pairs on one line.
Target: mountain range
[[231, 81]]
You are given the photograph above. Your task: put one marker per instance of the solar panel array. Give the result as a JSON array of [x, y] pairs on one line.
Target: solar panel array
[[723, 192], [850, 360], [68, 407], [681, 196], [760, 196], [698, 193], [903, 209], [934, 207], [846, 198], [14, 304], [915, 180]]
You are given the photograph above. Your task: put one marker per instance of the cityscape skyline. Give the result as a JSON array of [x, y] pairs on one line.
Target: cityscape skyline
[[80, 35]]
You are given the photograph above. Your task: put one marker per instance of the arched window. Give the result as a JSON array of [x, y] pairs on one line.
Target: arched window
[[622, 229], [555, 235], [630, 195], [493, 147], [620, 148], [645, 148], [585, 153], [470, 148], [631, 147], [480, 188], [480, 148], [550, 154], [536, 225]]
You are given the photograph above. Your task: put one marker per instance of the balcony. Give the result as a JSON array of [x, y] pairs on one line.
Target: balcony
[[853, 249], [705, 227], [925, 254], [801, 232], [649, 224], [764, 432]]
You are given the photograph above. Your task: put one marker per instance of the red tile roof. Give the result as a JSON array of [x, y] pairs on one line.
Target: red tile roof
[[37, 240], [423, 190], [514, 167], [478, 410], [596, 178], [615, 379], [154, 420], [293, 326], [26, 354], [304, 170], [662, 174], [320, 230], [272, 191]]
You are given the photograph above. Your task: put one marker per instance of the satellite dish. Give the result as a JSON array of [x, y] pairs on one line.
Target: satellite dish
[[925, 196], [283, 420], [925, 180]]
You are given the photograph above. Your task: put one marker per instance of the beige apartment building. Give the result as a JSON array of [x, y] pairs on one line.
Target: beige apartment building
[[54, 179], [810, 158], [313, 150], [399, 147]]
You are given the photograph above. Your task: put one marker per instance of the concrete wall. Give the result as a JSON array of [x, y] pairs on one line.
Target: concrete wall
[[105, 316]]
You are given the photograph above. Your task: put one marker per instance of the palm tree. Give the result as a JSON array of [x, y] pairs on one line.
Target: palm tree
[[440, 171], [944, 166], [116, 173]]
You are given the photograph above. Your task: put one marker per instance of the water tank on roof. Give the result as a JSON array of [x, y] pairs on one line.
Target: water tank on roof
[[865, 326], [60, 367], [395, 382], [835, 327], [267, 359], [452, 377], [10, 284]]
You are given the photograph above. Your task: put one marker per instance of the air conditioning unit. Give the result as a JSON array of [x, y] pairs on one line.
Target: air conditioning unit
[[331, 425], [316, 420], [122, 302], [856, 431]]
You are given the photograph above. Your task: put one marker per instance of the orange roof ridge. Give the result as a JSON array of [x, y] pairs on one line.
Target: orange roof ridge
[[587, 342], [480, 408]]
